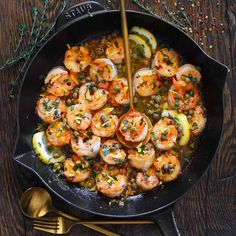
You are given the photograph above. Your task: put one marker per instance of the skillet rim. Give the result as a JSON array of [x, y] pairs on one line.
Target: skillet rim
[[63, 27]]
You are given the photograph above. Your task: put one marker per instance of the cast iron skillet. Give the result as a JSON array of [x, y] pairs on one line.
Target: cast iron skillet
[[81, 23]]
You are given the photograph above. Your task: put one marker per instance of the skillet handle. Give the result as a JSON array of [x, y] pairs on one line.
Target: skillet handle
[[26, 160], [165, 220], [22, 154], [79, 11]]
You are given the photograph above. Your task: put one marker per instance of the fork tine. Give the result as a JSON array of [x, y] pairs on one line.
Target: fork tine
[[53, 223], [50, 226], [46, 219], [52, 231]]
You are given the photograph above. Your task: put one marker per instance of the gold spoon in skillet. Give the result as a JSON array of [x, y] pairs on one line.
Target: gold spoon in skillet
[[130, 82]]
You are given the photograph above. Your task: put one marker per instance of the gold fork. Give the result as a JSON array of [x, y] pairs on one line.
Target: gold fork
[[62, 225]]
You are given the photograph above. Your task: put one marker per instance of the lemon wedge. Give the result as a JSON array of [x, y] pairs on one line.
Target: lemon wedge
[[45, 154], [138, 40], [147, 35], [108, 109], [183, 121], [165, 106]]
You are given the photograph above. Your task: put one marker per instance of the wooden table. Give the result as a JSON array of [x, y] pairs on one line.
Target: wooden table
[[208, 209]]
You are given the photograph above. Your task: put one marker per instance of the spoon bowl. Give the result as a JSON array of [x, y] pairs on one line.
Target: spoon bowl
[[134, 144], [36, 202]]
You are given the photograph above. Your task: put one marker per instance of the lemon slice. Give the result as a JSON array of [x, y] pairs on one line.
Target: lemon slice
[[138, 40], [147, 35], [183, 121], [45, 154], [108, 109], [165, 106]]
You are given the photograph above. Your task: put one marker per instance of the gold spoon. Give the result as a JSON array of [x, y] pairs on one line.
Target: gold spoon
[[130, 82], [37, 202]]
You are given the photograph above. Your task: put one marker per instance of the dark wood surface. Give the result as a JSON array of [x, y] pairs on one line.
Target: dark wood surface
[[209, 208]]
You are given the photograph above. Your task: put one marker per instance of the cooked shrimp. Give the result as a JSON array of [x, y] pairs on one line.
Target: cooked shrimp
[[111, 185], [86, 146], [50, 108], [73, 76], [58, 82], [104, 124], [76, 169], [147, 180], [58, 134], [119, 92], [142, 157], [198, 120], [111, 152], [146, 82], [78, 117], [115, 50], [168, 166], [134, 127], [77, 59], [183, 96], [92, 97], [189, 73], [166, 62], [101, 71], [164, 134]]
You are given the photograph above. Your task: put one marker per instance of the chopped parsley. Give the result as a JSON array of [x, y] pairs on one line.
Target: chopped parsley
[[139, 51], [189, 78], [167, 59], [164, 135], [140, 149], [191, 93], [167, 169], [107, 150], [56, 115], [125, 122], [47, 106], [177, 102]]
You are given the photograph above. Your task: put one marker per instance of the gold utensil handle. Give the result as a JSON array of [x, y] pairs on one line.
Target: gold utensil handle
[[90, 225], [127, 52], [117, 222]]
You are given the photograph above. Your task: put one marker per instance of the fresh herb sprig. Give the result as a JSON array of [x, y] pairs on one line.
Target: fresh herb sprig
[[171, 15], [175, 20], [21, 31], [184, 15], [39, 32]]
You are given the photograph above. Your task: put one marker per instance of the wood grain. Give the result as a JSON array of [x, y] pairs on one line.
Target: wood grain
[[209, 208]]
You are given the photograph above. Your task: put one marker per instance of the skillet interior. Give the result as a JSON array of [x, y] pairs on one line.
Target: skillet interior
[[101, 23]]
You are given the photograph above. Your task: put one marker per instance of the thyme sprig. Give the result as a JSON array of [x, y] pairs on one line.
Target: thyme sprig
[[35, 14], [143, 7], [40, 30], [171, 15], [184, 15], [21, 31]]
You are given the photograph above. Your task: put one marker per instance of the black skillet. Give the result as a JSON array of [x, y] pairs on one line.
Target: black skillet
[[81, 23]]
